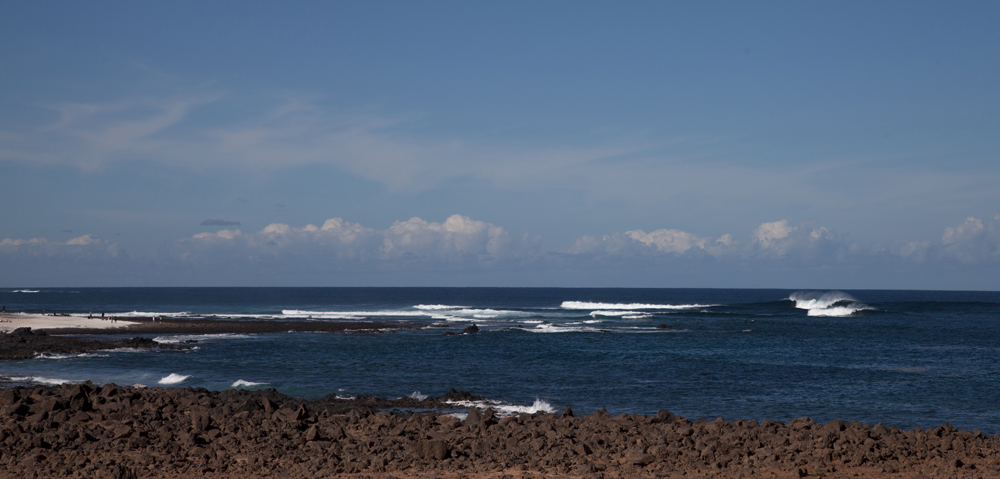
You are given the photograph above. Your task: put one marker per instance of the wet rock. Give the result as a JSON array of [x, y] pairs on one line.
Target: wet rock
[[471, 329]]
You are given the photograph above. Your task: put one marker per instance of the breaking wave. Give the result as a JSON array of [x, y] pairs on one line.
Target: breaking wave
[[43, 380], [241, 383], [437, 307], [828, 304], [628, 306], [503, 409], [838, 311], [174, 378], [418, 396]]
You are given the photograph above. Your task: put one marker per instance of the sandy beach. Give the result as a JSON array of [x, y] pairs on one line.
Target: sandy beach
[[12, 321]]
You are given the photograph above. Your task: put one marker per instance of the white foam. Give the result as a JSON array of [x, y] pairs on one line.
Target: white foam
[[416, 395], [131, 350], [43, 380], [437, 307], [553, 328], [621, 312], [180, 338], [637, 316], [829, 304], [479, 314], [813, 300], [174, 378], [838, 311], [628, 306], [239, 383], [25, 291], [69, 355], [353, 315], [145, 314], [505, 409]]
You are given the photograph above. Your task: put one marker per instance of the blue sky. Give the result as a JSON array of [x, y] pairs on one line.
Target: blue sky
[[702, 144]]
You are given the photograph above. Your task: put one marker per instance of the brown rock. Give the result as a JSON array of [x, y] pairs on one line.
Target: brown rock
[[437, 450], [642, 459]]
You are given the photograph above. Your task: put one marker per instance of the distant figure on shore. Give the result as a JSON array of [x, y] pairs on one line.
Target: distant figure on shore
[[102, 315], [90, 315]]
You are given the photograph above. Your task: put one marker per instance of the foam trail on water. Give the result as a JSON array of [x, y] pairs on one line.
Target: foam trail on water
[[505, 409], [143, 314], [243, 383], [174, 378], [628, 306], [43, 380], [198, 337], [838, 311], [552, 328], [437, 307], [69, 355]]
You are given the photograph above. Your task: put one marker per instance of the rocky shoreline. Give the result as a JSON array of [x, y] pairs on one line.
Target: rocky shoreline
[[90, 431], [166, 325], [23, 343]]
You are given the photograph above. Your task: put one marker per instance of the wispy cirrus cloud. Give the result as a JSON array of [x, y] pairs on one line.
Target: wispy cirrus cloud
[[290, 131], [216, 222]]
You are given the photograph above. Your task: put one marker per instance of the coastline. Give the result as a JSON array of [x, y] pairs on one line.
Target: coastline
[[145, 325], [12, 321], [83, 430]]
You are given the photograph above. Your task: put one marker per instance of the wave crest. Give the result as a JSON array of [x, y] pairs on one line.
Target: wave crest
[[503, 409], [828, 304], [244, 383], [628, 306], [174, 378]]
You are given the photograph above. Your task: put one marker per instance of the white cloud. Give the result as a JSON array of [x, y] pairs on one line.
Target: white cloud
[[770, 241], [973, 241], [283, 253], [457, 240], [86, 246]]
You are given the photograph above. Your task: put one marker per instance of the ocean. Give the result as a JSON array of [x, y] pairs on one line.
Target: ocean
[[902, 358]]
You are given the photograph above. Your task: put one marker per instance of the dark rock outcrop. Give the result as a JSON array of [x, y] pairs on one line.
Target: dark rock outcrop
[[113, 431], [25, 343]]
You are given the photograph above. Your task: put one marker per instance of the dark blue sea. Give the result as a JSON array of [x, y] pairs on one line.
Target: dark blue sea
[[903, 358]]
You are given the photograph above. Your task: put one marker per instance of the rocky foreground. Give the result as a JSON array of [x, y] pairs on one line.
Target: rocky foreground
[[124, 432]]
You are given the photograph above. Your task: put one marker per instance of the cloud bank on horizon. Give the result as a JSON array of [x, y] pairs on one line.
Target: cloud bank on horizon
[[281, 254], [650, 144]]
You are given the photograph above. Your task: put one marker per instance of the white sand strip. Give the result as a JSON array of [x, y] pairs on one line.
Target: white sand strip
[[37, 321]]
